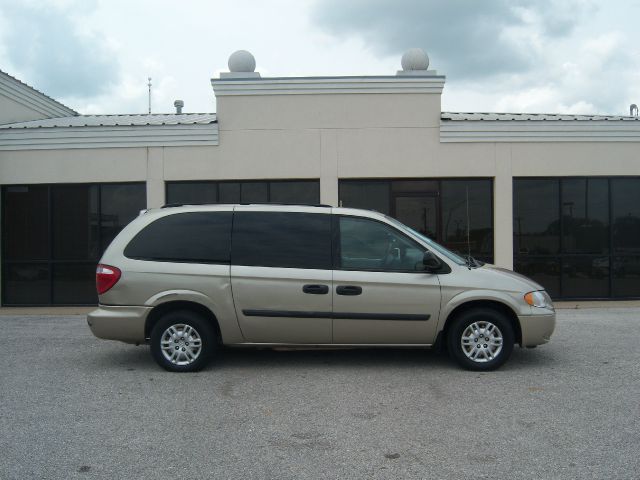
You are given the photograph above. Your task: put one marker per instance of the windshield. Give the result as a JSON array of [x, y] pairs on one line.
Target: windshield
[[432, 245]]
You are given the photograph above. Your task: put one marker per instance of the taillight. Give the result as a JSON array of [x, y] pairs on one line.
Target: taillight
[[106, 277]]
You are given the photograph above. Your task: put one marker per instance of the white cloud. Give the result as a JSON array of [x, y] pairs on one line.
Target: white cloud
[[513, 55]]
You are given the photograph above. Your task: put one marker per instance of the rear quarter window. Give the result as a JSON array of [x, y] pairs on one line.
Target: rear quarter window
[[195, 237]]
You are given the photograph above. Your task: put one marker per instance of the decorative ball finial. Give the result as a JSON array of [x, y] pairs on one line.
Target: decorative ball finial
[[415, 59], [242, 61]]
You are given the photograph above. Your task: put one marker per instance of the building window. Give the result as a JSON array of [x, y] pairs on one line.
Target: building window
[[53, 236], [436, 208], [267, 191], [579, 237]]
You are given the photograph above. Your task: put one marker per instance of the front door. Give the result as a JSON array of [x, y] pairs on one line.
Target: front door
[[281, 275], [380, 294]]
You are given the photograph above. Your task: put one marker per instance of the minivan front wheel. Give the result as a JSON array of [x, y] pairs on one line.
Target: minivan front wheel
[[481, 339], [182, 341]]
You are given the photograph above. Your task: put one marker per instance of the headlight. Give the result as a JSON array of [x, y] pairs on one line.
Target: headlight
[[539, 299]]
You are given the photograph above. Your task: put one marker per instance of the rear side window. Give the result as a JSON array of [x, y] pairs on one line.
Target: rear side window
[[197, 237], [279, 239]]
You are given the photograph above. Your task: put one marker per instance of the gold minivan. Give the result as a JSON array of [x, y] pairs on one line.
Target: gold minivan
[[190, 279]]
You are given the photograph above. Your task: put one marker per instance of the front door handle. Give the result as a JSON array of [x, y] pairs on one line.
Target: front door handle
[[316, 289], [348, 290]]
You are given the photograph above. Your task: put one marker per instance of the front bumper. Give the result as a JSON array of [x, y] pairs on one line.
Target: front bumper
[[125, 324], [537, 329]]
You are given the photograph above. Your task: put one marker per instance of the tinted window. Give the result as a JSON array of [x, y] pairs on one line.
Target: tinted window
[[370, 245], [192, 192], [254, 192], [626, 276], [74, 283], [545, 271], [435, 208], [367, 195], [184, 237], [625, 213], [75, 222], [536, 216], [264, 191], [278, 239], [295, 192], [585, 215], [53, 236], [119, 205], [25, 222], [229, 192], [454, 216], [26, 284], [597, 221]]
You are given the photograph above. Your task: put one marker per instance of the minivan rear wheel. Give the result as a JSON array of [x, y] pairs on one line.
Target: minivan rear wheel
[[182, 341], [480, 339]]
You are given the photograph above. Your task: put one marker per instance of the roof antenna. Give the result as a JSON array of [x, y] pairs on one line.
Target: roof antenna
[[149, 85], [468, 235]]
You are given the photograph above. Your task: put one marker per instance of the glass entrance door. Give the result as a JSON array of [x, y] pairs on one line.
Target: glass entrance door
[[420, 212]]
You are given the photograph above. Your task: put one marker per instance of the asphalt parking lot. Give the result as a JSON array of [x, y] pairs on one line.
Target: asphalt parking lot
[[73, 406]]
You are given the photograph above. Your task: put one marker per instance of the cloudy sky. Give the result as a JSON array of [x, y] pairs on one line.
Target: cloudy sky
[[569, 56]]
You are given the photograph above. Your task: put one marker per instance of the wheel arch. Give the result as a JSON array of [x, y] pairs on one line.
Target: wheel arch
[[496, 305], [158, 311]]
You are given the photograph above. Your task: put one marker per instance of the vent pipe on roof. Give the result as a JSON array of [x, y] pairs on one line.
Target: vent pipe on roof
[[178, 104], [633, 110]]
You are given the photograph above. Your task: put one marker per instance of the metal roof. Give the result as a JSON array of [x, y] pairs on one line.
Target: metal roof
[[536, 117], [36, 91], [155, 119]]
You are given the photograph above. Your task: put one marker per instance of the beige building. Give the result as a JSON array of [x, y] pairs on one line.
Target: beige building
[[556, 197]]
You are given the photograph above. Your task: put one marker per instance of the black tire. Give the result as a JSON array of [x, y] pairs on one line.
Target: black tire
[[203, 330], [484, 362]]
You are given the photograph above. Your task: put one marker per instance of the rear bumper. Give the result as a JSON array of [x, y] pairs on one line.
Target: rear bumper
[[125, 324], [537, 329]]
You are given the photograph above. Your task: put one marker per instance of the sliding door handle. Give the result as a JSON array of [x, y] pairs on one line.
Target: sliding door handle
[[316, 289], [348, 290]]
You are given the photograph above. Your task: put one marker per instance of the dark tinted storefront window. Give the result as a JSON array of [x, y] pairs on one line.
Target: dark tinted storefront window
[[26, 213], [436, 208], [480, 213], [574, 224], [74, 211], [536, 220], [286, 240], [192, 192], [118, 207], [625, 214], [374, 195], [53, 236], [267, 191]]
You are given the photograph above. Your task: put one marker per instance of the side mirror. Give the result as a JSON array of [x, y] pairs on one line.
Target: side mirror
[[431, 263]]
